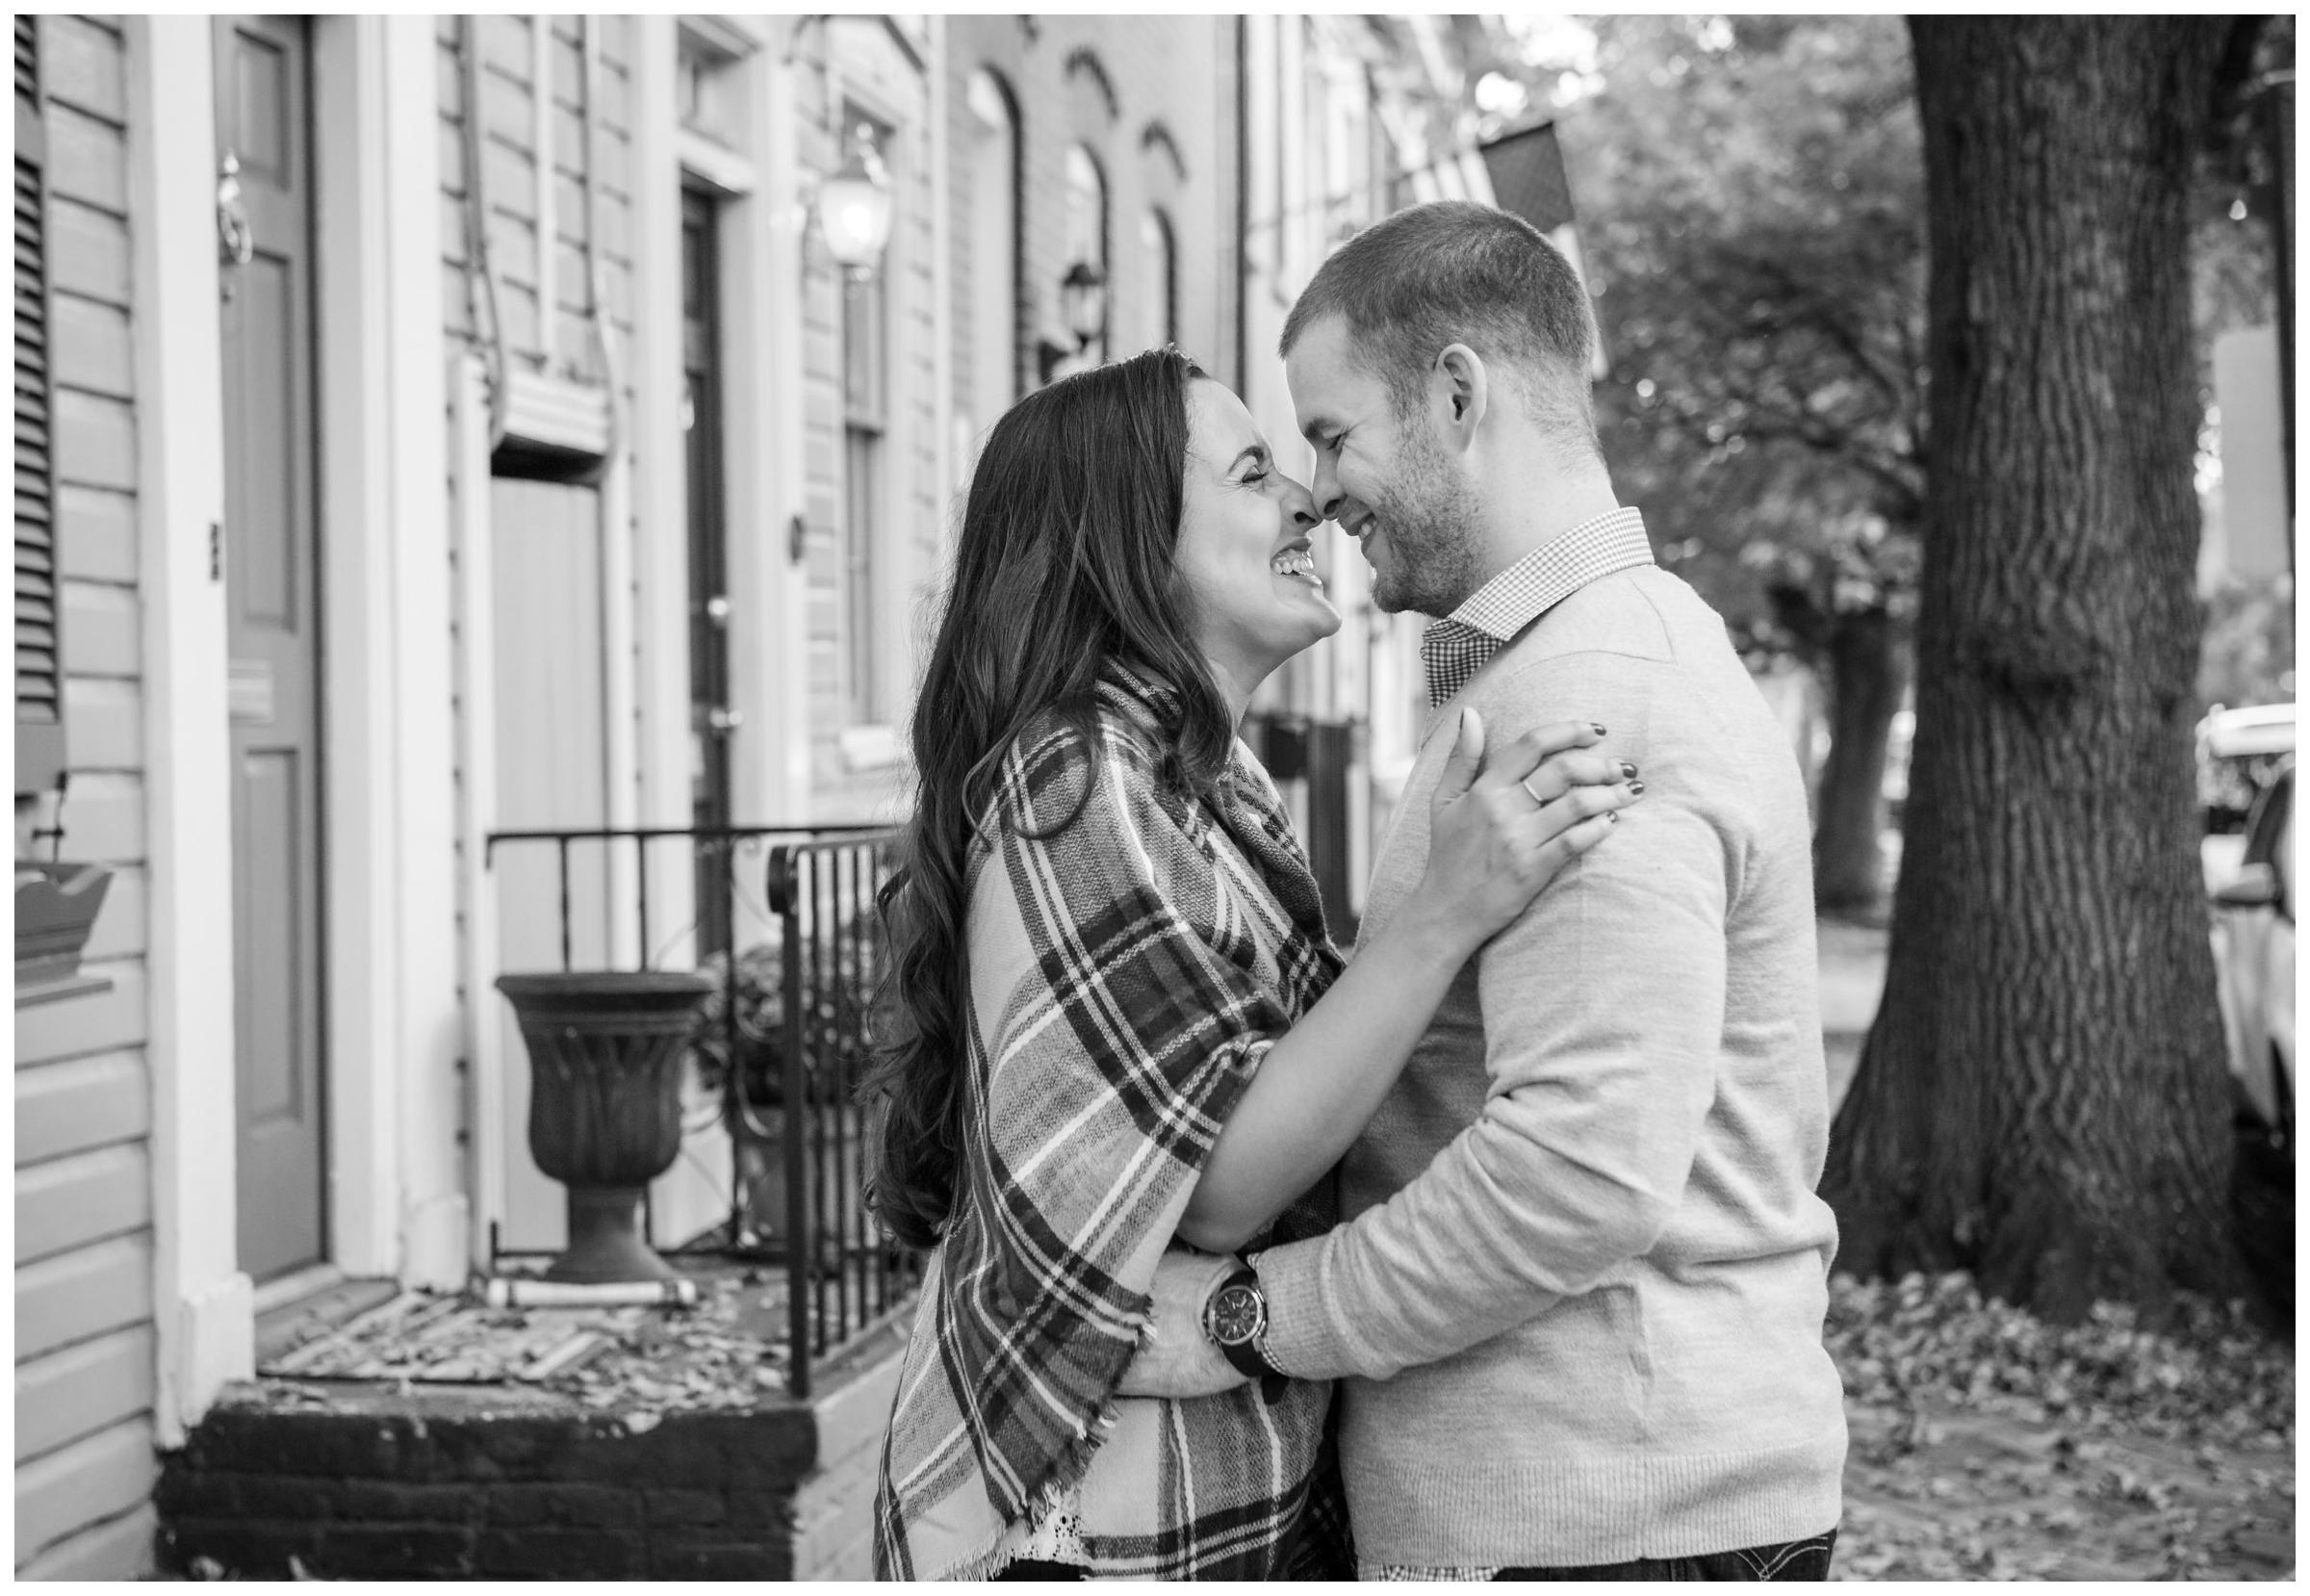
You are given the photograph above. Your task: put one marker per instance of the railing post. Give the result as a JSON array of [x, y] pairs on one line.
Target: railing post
[[782, 897], [565, 902], [641, 870]]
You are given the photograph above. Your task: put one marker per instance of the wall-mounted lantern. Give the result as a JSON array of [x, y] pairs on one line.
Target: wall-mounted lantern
[[854, 206], [1083, 306]]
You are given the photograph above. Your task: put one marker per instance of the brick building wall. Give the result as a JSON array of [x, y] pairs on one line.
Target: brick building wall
[[483, 1485]]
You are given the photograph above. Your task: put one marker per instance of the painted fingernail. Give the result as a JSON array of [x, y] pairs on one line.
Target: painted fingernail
[[1635, 787], [1629, 770], [1597, 727]]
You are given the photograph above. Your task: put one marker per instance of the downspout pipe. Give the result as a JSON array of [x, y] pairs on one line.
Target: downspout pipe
[[1242, 200]]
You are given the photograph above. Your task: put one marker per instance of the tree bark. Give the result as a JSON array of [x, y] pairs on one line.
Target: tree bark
[[2041, 1099], [1866, 669]]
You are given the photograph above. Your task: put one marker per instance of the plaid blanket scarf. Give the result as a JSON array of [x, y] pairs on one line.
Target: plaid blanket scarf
[[1127, 975]]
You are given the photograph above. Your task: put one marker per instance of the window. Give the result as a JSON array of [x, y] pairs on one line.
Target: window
[[993, 208], [2270, 837], [865, 419], [1160, 307], [40, 672], [1086, 229], [707, 99]]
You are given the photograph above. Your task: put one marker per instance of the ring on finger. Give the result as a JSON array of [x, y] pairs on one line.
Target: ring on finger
[[1527, 783]]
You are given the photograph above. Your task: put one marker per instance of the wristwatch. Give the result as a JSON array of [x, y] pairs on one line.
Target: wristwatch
[[1235, 1316]]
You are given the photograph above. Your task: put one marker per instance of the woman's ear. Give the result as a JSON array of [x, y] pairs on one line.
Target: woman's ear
[[1460, 390]]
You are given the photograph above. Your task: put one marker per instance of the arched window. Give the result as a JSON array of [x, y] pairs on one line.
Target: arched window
[[993, 330], [1087, 229], [1159, 305]]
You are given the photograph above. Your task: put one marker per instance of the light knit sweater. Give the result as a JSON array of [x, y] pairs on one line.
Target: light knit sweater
[[1581, 1295]]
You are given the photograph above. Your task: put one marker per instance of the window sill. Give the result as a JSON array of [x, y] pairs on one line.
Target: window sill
[[867, 748]]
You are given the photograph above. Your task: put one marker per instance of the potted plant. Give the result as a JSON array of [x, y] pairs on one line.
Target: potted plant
[[739, 1041]]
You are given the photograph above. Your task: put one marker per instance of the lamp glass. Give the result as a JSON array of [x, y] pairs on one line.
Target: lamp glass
[[854, 210]]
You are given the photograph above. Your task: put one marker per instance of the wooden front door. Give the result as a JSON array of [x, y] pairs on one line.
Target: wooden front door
[[271, 551]]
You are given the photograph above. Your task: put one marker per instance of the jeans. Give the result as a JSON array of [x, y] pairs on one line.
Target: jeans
[[1797, 1560], [1027, 1568]]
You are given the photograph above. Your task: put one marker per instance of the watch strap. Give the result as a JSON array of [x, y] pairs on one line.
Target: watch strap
[[1250, 1357]]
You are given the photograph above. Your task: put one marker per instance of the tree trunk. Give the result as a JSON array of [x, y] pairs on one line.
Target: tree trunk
[[1867, 669], [2041, 1099]]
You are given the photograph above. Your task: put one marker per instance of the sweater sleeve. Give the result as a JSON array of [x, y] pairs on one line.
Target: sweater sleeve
[[1603, 1012]]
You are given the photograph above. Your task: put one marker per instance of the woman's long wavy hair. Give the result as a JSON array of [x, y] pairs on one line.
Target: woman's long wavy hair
[[1064, 564]]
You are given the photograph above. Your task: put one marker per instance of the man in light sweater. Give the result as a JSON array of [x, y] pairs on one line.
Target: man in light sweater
[[1576, 1300]]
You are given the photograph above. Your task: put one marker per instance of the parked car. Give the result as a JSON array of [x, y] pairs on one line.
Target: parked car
[[2238, 753], [2253, 960]]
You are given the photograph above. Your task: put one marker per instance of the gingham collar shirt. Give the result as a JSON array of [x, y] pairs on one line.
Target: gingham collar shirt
[[1457, 647]]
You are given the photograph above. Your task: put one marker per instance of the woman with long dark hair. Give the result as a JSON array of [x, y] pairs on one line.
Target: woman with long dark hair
[[1119, 1023]]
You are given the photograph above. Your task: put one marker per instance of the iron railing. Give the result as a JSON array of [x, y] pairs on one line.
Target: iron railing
[[807, 1133], [832, 948]]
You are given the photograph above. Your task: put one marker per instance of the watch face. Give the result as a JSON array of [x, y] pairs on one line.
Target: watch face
[[1237, 1315]]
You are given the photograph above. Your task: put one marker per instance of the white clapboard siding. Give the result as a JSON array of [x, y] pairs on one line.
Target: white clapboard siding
[[84, 1389], [81, 1103], [79, 65], [97, 1477], [93, 343], [99, 1022], [85, 1334], [105, 718], [118, 933], [67, 1203], [99, 1551], [85, 159], [97, 536], [96, 439], [102, 630], [87, 250], [104, 820], [67, 1299]]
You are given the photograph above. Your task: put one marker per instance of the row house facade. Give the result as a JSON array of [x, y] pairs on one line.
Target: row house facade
[[436, 427]]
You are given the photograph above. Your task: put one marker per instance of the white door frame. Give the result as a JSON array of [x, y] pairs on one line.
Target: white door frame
[[202, 1312], [395, 1207], [397, 1202]]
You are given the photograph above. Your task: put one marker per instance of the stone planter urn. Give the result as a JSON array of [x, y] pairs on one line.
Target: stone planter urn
[[605, 1060]]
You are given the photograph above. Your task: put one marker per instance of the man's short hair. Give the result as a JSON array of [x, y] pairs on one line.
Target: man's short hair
[[1453, 272]]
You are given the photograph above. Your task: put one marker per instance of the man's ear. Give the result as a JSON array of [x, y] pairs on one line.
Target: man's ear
[[1460, 391]]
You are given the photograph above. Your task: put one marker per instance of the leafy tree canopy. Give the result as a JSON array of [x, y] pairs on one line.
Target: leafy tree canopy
[[1750, 205]]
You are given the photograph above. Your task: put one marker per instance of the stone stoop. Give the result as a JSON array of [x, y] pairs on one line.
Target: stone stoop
[[834, 1508], [371, 1481]]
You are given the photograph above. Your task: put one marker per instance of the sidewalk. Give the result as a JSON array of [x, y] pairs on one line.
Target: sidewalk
[[1852, 978], [1985, 1485]]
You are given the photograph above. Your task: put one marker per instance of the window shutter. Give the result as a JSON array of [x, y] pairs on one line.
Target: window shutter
[[40, 666]]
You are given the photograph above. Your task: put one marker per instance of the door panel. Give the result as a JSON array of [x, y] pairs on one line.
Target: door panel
[[269, 894], [270, 570]]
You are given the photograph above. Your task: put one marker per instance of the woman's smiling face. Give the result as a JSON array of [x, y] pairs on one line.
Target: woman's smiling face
[[1245, 548]]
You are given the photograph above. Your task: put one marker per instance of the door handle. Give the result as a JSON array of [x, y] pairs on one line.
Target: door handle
[[723, 720], [236, 239]]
